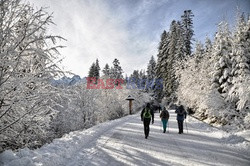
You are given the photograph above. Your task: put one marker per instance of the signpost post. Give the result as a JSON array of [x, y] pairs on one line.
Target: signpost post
[[130, 99]]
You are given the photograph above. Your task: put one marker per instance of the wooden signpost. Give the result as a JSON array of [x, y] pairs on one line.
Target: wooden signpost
[[130, 99]]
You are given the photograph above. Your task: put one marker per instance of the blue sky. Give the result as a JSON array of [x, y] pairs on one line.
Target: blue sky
[[128, 30]]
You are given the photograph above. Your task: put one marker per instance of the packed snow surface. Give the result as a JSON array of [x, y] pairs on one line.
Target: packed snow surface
[[122, 142]]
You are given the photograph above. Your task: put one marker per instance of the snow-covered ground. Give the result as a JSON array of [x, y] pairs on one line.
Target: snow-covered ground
[[122, 142]]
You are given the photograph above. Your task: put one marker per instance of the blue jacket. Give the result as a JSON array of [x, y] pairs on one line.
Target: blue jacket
[[181, 113]]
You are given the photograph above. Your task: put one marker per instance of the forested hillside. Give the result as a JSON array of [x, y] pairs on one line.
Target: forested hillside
[[212, 81]]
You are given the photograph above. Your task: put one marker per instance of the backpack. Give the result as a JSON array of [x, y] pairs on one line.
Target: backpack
[[164, 114], [181, 111], [147, 113]]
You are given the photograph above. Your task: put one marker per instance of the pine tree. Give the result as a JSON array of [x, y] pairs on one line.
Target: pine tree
[[208, 46], [112, 72], [161, 65], [135, 78], [151, 68], [199, 52], [92, 70], [173, 48], [169, 77], [97, 69], [180, 47], [222, 49], [187, 23], [169, 54], [162, 54], [226, 64], [240, 91], [106, 70], [142, 74], [116, 70], [143, 79]]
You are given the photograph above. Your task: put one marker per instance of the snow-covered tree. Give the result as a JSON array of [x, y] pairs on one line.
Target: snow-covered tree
[[92, 70], [187, 23], [161, 61], [142, 74], [116, 71], [239, 92], [208, 46], [181, 45], [97, 69], [162, 54], [225, 65], [28, 58], [199, 51], [83, 108], [134, 79], [222, 49], [169, 77], [143, 78], [170, 53], [151, 68], [106, 70]]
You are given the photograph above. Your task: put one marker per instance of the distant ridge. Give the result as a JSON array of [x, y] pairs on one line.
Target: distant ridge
[[69, 81]]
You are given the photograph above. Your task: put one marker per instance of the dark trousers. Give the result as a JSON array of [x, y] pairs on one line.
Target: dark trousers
[[180, 126], [146, 122]]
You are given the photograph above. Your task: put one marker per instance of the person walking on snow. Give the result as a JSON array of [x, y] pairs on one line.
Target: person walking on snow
[[164, 115], [146, 114], [181, 115]]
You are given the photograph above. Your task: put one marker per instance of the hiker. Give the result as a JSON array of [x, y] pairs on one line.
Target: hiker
[[146, 115], [181, 115], [164, 115]]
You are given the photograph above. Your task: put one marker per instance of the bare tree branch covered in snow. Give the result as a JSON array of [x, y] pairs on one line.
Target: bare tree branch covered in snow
[[28, 61], [83, 108]]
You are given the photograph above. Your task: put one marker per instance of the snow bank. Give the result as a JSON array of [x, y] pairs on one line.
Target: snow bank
[[239, 140], [59, 151]]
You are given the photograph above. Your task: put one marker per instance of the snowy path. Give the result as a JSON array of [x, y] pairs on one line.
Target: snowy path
[[122, 142]]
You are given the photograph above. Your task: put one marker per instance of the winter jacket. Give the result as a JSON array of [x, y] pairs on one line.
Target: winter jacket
[[151, 112], [164, 115], [181, 113]]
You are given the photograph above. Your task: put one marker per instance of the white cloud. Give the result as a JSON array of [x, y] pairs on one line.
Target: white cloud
[[92, 31], [125, 29]]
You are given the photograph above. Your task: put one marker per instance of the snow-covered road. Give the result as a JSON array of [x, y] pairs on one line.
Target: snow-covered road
[[122, 142]]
